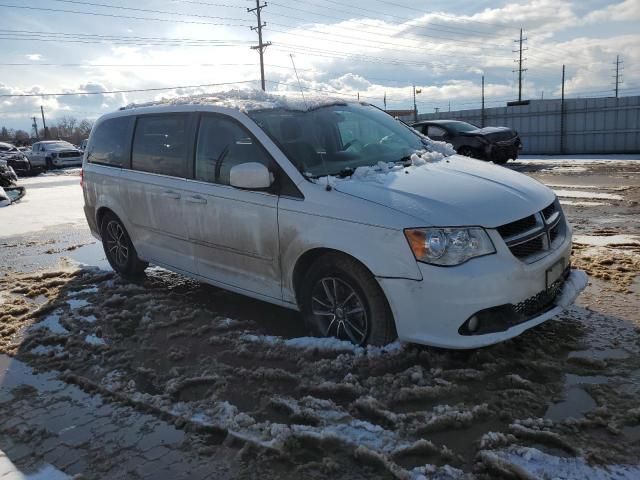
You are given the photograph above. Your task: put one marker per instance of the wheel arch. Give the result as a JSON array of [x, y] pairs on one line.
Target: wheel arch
[[307, 259]]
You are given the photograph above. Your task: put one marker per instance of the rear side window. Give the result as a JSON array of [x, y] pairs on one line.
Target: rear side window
[[160, 144], [222, 144], [111, 142]]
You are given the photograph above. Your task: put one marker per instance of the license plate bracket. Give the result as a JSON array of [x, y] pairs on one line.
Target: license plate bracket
[[554, 273]]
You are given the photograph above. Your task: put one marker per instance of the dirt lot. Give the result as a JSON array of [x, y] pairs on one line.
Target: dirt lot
[[240, 392]]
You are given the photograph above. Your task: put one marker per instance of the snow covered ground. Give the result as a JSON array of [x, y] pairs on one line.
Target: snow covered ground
[[51, 200], [558, 402]]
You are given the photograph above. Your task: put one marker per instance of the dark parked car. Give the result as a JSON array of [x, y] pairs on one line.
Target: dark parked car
[[498, 144], [15, 158]]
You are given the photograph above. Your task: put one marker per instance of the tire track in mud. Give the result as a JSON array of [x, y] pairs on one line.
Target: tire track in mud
[[223, 365]]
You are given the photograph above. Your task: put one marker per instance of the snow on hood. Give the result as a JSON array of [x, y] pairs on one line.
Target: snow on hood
[[450, 191], [247, 100]]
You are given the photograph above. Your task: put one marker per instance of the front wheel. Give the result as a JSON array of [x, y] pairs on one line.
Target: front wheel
[[119, 249], [467, 152], [341, 298]]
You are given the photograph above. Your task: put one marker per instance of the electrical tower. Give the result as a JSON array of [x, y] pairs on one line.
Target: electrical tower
[[35, 128], [519, 61], [261, 45], [617, 75]]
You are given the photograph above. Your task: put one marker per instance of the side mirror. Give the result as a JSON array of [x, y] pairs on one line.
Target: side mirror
[[250, 175]]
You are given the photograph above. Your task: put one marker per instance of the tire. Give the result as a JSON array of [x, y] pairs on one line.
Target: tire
[[360, 315], [49, 164], [118, 248], [467, 152]]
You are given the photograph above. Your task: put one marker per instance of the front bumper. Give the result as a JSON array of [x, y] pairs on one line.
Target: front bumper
[[433, 310], [67, 162]]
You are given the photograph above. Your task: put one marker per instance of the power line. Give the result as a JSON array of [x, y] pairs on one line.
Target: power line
[[105, 92], [60, 10], [145, 10]]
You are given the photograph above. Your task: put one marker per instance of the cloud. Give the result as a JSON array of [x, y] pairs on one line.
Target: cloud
[[34, 56], [626, 11]]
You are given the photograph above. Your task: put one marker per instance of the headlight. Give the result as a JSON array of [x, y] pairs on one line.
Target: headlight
[[449, 246]]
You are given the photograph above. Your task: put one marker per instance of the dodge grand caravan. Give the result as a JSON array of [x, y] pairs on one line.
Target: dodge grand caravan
[[370, 229]]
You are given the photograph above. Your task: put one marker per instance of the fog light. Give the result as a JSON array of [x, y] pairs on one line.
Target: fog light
[[473, 324]]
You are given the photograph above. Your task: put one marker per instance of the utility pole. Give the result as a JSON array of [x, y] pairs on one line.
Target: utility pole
[[384, 100], [35, 128], [520, 69], [562, 115], [261, 47], [415, 107], [482, 111], [617, 76], [44, 124]]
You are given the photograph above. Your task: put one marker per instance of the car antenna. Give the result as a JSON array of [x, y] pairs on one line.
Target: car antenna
[[324, 165]]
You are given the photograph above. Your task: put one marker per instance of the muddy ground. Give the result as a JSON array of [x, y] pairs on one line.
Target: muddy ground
[[253, 396]]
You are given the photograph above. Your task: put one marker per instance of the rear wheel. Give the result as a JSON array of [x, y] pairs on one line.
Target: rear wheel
[[119, 249], [467, 152], [341, 298]]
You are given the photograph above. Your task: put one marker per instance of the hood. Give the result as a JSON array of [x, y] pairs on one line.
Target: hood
[[456, 191], [492, 133]]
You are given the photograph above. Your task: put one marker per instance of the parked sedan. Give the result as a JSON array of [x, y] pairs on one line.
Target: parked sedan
[[51, 154], [497, 144], [15, 158]]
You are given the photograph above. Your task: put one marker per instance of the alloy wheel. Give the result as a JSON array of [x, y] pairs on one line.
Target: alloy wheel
[[117, 244], [339, 310]]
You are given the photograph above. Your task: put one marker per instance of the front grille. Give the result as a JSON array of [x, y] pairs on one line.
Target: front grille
[[501, 136], [530, 237], [528, 248], [550, 210], [517, 227], [537, 304], [68, 154]]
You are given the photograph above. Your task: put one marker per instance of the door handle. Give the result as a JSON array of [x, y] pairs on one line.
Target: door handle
[[172, 195], [196, 199]]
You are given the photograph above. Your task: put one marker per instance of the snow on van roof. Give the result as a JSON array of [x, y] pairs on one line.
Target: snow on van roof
[[247, 100]]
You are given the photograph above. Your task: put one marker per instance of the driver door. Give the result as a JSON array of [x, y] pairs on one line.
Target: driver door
[[234, 232]]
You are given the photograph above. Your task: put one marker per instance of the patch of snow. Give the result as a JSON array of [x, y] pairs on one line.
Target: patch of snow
[[325, 343], [544, 466], [84, 290], [52, 323], [74, 304], [50, 201], [94, 340], [88, 319], [575, 283], [47, 349], [583, 194], [246, 100], [603, 241], [582, 204]]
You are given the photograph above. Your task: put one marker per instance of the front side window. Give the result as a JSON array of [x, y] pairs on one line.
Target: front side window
[[160, 144], [336, 139], [436, 132], [222, 144], [111, 142]]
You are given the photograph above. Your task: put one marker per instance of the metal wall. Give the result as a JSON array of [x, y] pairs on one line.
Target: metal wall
[[591, 125]]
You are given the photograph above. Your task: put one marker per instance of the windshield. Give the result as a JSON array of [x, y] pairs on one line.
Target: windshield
[[461, 126], [337, 139], [57, 145]]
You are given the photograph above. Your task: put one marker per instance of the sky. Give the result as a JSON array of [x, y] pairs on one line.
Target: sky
[[371, 48]]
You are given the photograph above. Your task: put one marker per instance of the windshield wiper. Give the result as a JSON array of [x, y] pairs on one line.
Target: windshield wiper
[[405, 161], [345, 172]]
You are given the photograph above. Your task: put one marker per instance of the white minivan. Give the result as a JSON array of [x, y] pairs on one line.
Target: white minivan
[[370, 229]]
